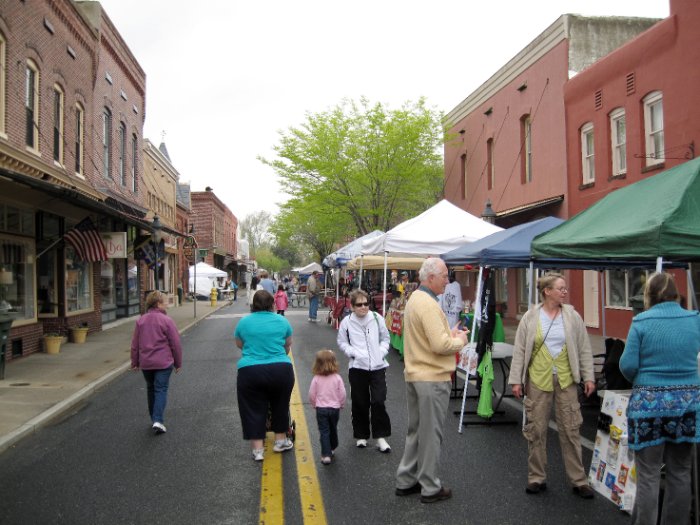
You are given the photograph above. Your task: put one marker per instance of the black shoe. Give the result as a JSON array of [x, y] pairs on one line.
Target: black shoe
[[584, 491], [441, 495], [415, 489], [535, 488]]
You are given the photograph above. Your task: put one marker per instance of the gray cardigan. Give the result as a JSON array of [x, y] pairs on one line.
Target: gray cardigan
[[578, 345]]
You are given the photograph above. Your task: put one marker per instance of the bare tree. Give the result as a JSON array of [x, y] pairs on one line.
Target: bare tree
[[254, 228]]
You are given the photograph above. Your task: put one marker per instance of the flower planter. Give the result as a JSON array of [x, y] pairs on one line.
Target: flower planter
[[79, 334], [52, 344]]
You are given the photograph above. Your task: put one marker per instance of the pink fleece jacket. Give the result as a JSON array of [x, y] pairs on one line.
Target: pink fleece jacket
[[155, 344]]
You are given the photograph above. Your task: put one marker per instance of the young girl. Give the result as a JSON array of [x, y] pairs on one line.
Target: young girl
[[327, 396], [281, 300]]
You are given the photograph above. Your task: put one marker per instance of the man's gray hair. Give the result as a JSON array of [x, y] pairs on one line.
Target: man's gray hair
[[431, 266]]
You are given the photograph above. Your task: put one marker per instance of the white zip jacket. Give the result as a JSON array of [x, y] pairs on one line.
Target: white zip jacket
[[365, 340]]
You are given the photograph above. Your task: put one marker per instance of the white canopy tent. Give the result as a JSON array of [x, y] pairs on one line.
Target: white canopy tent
[[347, 253], [308, 269], [437, 230], [204, 277]]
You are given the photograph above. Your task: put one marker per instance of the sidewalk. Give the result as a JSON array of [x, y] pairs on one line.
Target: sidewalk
[[40, 387]]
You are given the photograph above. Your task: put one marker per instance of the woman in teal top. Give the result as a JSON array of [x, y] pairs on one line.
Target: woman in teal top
[[265, 374], [660, 360]]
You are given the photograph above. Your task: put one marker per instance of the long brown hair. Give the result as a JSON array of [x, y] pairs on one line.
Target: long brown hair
[[325, 363], [660, 288]]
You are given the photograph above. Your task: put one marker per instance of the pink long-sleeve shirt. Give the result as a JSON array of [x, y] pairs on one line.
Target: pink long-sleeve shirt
[[327, 391], [155, 344]]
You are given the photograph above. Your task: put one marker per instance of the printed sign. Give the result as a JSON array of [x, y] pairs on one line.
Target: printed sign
[[115, 244]]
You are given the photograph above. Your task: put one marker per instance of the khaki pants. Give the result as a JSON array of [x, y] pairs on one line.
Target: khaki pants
[[538, 409]]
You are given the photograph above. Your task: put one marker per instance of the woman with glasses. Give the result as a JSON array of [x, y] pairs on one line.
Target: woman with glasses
[[660, 359], [363, 337], [551, 355]]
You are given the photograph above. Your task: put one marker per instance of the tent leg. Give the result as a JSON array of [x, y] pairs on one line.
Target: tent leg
[[693, 303], [384, 287], [477, 303]]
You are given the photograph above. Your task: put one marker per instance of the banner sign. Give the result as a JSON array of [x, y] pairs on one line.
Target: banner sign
[[115, 244]]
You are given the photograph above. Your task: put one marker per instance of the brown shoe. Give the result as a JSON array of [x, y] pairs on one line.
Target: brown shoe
[[415, 489], [440, 495], [584, 491], [535, 488]]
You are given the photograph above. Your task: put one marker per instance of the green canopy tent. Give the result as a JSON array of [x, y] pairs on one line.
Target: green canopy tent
[[654, 218]]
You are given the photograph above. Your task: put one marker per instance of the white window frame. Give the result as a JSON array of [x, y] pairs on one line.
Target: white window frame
[[106, 143], [79, 140], [31, 101], [654, 128], [618, 141], [588, 153], [134, 162], [58, 124], [122, 153], [629, 281]]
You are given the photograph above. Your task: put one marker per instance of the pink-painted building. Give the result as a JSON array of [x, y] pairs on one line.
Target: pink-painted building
[[631, 115]]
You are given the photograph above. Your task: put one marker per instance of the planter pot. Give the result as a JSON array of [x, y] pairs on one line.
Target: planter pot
[[52, 344], [79, 334]]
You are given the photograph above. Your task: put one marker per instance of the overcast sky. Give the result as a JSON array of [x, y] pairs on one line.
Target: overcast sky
[[225, 76]]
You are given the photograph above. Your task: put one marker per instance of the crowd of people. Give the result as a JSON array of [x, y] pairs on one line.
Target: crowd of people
[[552, 357]]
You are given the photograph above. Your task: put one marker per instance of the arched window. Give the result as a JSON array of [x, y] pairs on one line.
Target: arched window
[[122, 153], [654, 128], [79, 138], [31, 104], [107, 143], [58, 124]]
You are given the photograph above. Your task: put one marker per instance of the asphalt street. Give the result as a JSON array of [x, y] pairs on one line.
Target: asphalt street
[[100, 464]]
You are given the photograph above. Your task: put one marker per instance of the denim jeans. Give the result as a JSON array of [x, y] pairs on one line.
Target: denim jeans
[[157, 392], [313, 307], [327, 419]]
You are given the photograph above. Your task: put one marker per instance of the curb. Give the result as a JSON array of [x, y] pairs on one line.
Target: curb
[[60, 408]]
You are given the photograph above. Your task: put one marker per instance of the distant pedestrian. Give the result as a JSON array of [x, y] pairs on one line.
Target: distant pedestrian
[[363, 337], [313, 289], [265, 374], [155, 350], [430, 347], [234, 290], [327, 396], [267, 284], [281, 300]]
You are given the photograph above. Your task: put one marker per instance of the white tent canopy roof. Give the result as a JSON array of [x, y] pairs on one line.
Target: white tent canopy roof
[[348, 252], [206, 270], [437, 230], [309, 268]]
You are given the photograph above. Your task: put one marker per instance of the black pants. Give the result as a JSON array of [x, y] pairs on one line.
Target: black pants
[[368, 394], [258, 387]]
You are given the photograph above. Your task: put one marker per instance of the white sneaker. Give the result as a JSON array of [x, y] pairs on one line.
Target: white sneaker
[[282, 445], [258, 454], [361, 443], [159, 428], [383, 446]]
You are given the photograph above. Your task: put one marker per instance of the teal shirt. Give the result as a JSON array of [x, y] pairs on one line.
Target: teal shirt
[[263, 335]]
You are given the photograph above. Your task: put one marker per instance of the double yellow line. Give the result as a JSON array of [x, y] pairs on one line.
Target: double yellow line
[[271, 486]]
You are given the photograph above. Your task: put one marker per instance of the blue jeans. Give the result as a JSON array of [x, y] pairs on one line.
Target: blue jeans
[[313, 307], [327, 419], [157, 392]]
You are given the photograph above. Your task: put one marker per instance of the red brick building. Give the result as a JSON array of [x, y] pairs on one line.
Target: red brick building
[[629, 116]]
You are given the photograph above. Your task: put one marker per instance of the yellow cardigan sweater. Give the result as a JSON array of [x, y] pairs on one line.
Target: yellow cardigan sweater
[[428, 348]]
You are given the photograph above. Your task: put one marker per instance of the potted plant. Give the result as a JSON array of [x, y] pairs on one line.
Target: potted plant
[[79, 333], [52, 343]]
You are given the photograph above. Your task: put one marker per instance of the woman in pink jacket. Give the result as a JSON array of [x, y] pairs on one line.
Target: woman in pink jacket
[[281, 300], [156, 349]]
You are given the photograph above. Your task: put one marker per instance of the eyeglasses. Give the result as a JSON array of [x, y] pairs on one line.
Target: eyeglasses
[[563, 289], [360, 305]]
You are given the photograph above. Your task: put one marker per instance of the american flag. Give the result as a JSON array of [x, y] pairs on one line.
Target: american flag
[[86, 241]]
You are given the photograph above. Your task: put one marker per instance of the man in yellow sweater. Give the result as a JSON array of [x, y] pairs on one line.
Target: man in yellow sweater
[[429, 358]]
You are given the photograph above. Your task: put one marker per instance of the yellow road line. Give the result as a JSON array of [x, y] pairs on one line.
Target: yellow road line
[[312, 508], [271, 489], [271, 486]]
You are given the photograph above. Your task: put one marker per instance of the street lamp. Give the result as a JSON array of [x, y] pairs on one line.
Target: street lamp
[[156, 237], [488, 214]]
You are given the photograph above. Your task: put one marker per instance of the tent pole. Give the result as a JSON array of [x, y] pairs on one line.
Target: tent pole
[[531, 285], [362, 260], [384, 286], [659, 264], [477, 304], [602, 305], [693, 303]]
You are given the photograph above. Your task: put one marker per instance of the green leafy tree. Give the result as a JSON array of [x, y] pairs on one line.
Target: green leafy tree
[[358, 167], [268, 260], [254, 229]]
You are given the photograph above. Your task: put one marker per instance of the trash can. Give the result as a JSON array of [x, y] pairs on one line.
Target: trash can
[[637, 304], [5, 325]]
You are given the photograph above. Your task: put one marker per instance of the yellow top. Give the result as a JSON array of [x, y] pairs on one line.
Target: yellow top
[[541, 365]]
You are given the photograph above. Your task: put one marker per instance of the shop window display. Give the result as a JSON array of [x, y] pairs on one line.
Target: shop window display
[[78, 282], [17, 277]]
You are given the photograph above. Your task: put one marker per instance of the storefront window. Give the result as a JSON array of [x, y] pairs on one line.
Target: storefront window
[[107, 284], [622, 285], [132, 265], [78, 282], [17, 276], [48, 232]]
